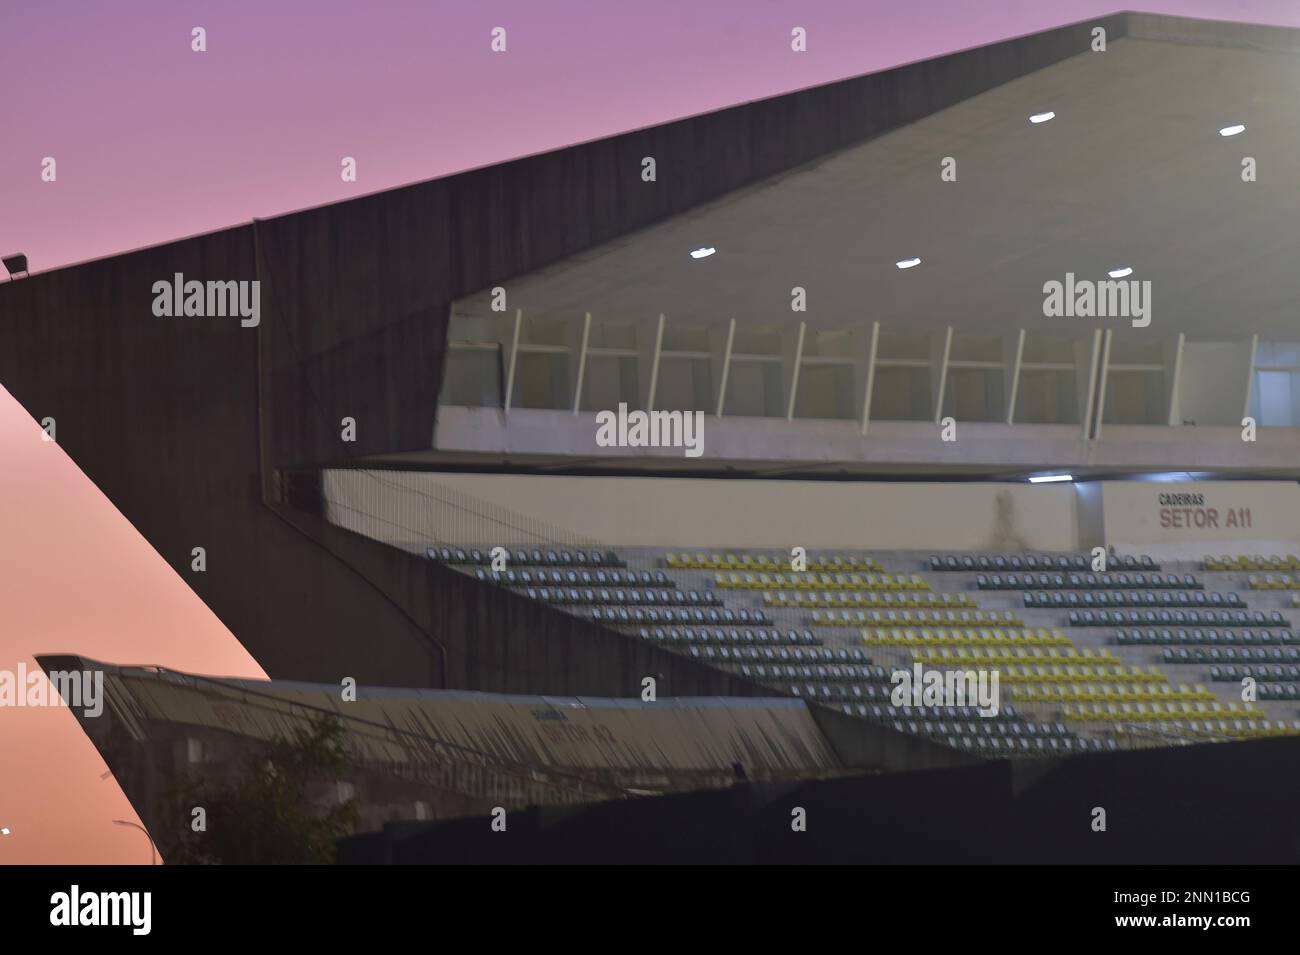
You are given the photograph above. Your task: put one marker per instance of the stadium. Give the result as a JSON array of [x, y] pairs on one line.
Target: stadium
[[605, 499]]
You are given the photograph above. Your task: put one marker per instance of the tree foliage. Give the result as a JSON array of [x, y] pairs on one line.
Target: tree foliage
[[265, 813]]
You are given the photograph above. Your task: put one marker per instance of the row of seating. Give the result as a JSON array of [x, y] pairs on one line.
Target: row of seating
[[1235, 674], [829, 693], [867, 599], [896, 618], [745, 561], [922, 713], [986, 728], [1160, 712], [1211, 637], [812, 581], [719, 655], [1086, 582], [761, 637], [872, 700], [1257, 562], [1064, 693], [622, 616], [1269, 582], [833, 673], [1054, 599], [1260, 619], [1213, 729], [922, 721], [997, 656], [1137, 618], [576, 578], [989, 735], [528, 558], [881, 693], [1208, 654], [925, 637], [1003, 562], [1029, 747], [632, 597], [1197, 599], [1070, 673], [1278, 691]]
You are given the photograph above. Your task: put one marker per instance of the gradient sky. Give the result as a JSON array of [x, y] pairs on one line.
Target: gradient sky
[[154, 142], [76, 576]]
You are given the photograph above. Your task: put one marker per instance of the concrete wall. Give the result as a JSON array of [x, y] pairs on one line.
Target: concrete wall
[[163, 415], [982, 449], [1175, 518], [696, 512], [1092, 516]]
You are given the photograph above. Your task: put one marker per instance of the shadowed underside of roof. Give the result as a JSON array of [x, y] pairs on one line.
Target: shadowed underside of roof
[[1131, 172]]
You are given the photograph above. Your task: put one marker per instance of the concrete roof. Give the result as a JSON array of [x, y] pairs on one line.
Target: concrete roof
[[1131, 172]]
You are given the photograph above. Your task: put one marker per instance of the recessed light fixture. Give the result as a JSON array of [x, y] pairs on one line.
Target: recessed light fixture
[[703, 253], [4, 831], [1232, 130], [1050, 478], [908, 263], [1042, 117], [1120, 273]]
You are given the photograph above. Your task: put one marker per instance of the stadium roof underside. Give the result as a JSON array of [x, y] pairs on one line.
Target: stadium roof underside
[[804, 304], [1132, 171]]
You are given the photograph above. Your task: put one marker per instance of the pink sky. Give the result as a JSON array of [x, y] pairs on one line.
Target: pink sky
[[75, 576], [154, 142]]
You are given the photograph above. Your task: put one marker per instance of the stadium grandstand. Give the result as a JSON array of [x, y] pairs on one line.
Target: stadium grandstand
[[715, 433]]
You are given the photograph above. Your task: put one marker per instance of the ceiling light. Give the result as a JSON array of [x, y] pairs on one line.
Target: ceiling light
[[1042, 117], [1050, 478], [1120, 273], [4, 831], [703, 253], [1232, 130], [908, 263]]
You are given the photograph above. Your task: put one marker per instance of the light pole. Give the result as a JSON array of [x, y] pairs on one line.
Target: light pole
[[153, 852]]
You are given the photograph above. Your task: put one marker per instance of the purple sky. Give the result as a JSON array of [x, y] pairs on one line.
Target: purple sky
[[155, 142]]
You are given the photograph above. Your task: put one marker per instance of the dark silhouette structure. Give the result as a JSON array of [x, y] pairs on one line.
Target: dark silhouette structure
[[187, 424]]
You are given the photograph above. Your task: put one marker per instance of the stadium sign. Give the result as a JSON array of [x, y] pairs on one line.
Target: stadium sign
[[1189, 511]]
